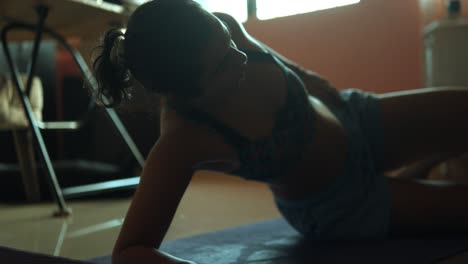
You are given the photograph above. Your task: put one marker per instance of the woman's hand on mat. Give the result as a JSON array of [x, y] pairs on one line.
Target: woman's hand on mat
[[181, 261], [136, 254], [176, 260]]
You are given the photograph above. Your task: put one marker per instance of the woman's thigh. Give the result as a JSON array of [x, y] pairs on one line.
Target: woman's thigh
[[425, 207], [420, 123]]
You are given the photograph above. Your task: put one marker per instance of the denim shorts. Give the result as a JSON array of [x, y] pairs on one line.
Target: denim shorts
[[357, 204]]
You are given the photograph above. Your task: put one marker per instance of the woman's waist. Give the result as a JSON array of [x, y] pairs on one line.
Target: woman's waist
[[293, 168], [313, 174], [322, 161]]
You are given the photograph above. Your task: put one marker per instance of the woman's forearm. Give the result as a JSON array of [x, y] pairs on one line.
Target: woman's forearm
[[143, 255]]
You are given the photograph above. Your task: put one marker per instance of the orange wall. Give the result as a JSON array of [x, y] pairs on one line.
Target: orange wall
[[374, 45]]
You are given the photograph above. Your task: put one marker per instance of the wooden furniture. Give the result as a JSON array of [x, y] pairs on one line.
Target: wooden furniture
[[69, 18]]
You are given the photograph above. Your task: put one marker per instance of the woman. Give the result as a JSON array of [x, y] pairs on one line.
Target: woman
[[322, 152]]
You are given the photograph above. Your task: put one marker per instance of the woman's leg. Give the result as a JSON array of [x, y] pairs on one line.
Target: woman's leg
[[420, 169], [419, 124], [428, 207]]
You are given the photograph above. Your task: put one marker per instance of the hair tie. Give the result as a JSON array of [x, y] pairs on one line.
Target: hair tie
[[117, 51]]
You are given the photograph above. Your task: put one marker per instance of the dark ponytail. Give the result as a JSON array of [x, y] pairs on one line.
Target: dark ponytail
[[160, 50], [111, 71]]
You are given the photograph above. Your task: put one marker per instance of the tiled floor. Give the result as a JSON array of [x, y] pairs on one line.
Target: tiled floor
[[212, 202]]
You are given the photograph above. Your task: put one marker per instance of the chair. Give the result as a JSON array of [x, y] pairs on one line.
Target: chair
[[12, 117], [24, 88]]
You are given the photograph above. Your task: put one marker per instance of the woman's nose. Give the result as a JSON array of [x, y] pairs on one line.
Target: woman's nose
[[243, 57], [240, 57]]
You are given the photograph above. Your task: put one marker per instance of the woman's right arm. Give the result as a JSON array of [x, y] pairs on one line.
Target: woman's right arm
[[165, 177]]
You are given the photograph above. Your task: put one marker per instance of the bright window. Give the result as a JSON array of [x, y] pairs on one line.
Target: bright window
[[268, 9], [236, 8]]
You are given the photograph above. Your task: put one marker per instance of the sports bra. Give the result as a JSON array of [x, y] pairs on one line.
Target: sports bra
[[263, 159]]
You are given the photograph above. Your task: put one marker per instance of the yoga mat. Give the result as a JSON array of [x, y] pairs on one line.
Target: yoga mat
[[275, 242]]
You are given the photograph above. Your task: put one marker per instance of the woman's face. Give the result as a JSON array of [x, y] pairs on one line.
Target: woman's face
[[224, 64]]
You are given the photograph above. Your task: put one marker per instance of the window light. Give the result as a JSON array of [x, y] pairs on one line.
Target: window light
[[236, 8], [268, 9]]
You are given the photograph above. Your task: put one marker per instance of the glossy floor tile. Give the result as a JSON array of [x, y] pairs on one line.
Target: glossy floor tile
[[212, 202]]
